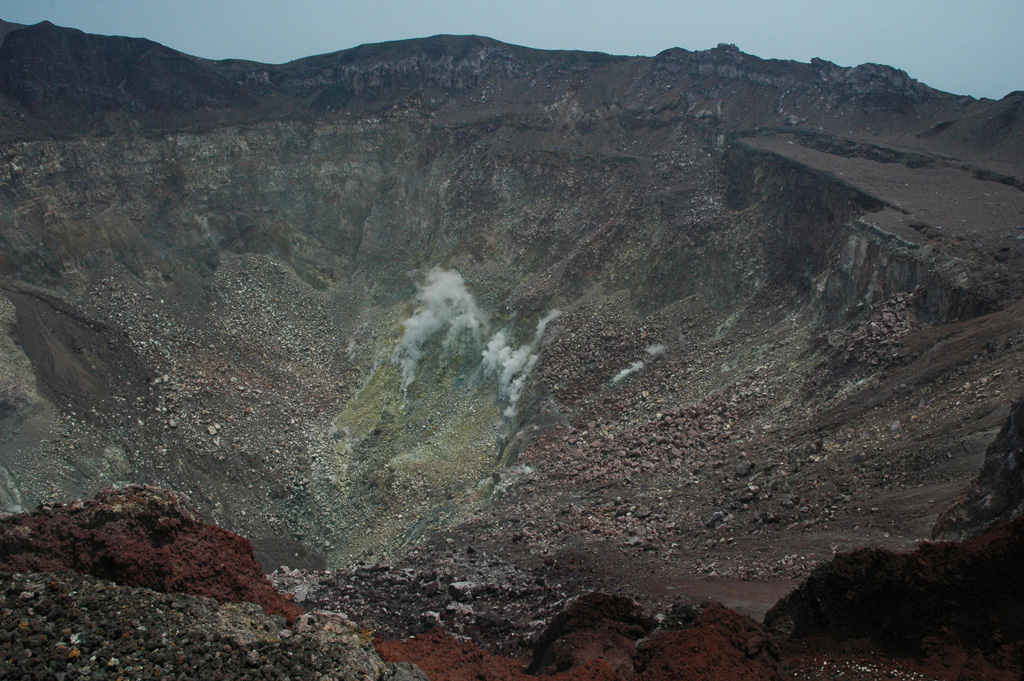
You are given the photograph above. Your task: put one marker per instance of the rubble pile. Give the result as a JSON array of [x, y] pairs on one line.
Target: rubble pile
[[876, 343], [674, 441]]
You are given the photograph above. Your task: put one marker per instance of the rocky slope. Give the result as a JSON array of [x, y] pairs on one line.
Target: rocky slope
[[140, 537], [77, 627], [662, 325], [998, 491]]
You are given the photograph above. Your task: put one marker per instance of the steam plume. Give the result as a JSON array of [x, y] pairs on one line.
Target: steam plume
[[628, 371], [513, 366], [444, 304], [653, 350]]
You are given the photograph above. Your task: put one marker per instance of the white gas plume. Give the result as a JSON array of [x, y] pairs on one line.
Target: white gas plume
[[445, 305], [512, 367], [656, 349], [628, 371]]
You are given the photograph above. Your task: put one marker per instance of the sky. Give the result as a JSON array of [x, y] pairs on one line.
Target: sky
[[973, 47]]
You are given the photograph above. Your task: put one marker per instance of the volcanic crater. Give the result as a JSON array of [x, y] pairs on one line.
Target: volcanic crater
[[527, 362]]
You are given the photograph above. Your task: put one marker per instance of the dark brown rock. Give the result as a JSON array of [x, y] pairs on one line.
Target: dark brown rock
[[998, 492], [594, 626], [963, 594]]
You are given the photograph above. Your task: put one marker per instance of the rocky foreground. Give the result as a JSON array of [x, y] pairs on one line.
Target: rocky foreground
[[155, 606], [70, 626], [141, 536]]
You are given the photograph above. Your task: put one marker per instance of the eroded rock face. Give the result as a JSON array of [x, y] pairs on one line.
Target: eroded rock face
[[999, 490], [140, 536], [962, 595]]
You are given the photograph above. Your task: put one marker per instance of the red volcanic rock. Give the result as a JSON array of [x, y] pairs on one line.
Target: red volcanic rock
[[942, 597], [445, 658], [594, 626], [140, 536], [722, 645], [595, 639]]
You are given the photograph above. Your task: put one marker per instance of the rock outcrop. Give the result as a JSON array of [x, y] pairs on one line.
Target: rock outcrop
[[594, 626], [601, 637], [719, 645], [999, 490], [143, 537], [944, 596]]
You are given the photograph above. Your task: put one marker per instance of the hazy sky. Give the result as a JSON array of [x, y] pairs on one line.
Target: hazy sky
[[964, 46]]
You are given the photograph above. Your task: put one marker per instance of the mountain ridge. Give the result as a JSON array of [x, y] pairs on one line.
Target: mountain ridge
[[383, 75]]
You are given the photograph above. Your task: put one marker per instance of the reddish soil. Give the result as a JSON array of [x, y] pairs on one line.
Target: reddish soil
[[720, 646], [140, 536]]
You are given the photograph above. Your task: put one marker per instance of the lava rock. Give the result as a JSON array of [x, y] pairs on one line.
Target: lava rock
[[140, 536]]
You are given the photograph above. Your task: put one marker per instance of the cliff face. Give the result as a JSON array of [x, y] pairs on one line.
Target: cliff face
[[340, 301]]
